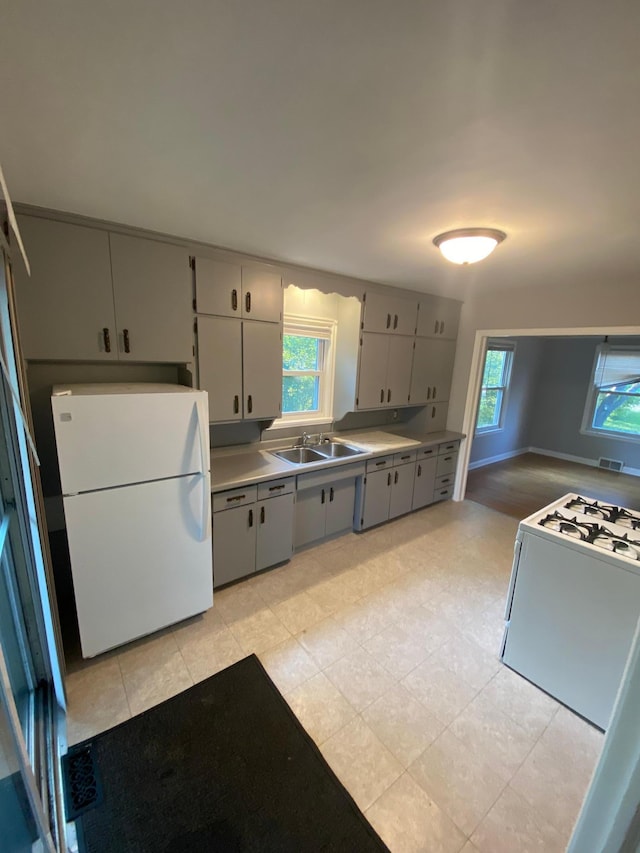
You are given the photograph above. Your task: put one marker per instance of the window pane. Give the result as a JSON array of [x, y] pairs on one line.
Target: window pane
[[489, 410], [494, 367], [617, 412], [300, 352], [300, 394]]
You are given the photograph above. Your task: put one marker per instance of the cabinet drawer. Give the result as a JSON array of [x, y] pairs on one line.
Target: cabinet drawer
[[447, 464], [426, 452], [447, 447], [380, 462], [234, 497], [444, 482], [274, 488], [443, 494], [404, 458]]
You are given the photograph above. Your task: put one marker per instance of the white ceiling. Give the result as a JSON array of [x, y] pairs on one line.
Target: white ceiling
[[339, 134]]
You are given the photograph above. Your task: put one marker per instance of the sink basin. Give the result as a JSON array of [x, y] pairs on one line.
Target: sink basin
[[300, 455], [336, 450]]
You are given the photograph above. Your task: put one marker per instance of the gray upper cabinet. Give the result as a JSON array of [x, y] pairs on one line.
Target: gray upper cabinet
[[218, 287], [152, 295], [261, 369], [96, 296], [438, 317], [384, 376], [261, 293], [391, 314], [240, 366], [220, 366], [432, 368], [66, 306], [232, 290]]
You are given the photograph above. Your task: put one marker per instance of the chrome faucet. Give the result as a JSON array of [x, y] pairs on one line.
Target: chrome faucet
[[305, 439]]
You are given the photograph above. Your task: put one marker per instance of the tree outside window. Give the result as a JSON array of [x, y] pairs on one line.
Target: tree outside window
[[495, 382], [307, 369]]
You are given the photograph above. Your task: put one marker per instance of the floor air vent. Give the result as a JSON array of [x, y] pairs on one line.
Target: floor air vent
[[81, 782], [610, 464]]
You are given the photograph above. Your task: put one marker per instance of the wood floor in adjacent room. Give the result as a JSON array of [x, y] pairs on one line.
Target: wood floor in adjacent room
[[525, 484]]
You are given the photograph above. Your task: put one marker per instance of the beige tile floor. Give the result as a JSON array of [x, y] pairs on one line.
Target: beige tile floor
[[385, 644]]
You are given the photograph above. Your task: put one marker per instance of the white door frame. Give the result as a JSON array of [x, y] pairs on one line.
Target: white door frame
[[475, 379]]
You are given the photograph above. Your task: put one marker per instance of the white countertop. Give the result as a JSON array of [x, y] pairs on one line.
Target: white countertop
[[239, 466]]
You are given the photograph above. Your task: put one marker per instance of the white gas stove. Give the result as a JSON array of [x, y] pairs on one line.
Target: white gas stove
[[574, 601]]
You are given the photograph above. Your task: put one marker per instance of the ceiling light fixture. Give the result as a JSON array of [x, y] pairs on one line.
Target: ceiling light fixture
[[468, 245]]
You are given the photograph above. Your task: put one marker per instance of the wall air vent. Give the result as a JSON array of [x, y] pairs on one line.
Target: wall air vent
[[610, 464]]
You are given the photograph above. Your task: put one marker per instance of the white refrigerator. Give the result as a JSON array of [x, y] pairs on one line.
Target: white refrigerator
[[134, 468]]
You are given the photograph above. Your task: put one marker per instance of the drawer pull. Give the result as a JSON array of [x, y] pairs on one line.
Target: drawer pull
[[236, 498], [446, 481], [275, 488], [405, 457], [448, 458], [382, 462]]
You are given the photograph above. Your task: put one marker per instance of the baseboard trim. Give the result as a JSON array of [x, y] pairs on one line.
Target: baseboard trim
[[489, 460], [581, 460]]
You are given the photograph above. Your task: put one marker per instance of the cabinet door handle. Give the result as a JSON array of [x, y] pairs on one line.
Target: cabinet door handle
[[442, 328], [234, 300], [419, 470], [433, 411], [389, 478], [428, 392], [331, 495], [382, 395], [247, 302], [395, 321], [388, 320], [435, 392], [125, 336], [106, 337], [250, 518], [389, 395], [236, 404], [261, 515], [395, 479], [249, 404], [322, 497]]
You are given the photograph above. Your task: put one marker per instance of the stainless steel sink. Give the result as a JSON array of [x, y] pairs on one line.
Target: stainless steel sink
[[300, 455], [337, 450]]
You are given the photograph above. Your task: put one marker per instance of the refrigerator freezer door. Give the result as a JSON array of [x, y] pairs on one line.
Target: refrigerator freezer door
[[107, 440], [148, 567]]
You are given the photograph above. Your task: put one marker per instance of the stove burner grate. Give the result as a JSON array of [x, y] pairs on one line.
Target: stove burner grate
[[593, 534], [606, 512]]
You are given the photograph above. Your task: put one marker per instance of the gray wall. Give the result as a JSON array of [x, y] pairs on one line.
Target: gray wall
[[517, 414], [559, 400], [546, 403]]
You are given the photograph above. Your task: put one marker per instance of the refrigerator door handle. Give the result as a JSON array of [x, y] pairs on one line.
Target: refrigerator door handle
[[204, 466]]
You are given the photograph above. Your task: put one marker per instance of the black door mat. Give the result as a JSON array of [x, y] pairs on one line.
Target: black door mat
[[224, 766]]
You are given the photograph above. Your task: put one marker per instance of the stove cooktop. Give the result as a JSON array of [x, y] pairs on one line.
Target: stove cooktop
[[593, 523]]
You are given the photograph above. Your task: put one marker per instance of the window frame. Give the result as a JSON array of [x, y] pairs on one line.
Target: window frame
[[325, 330], [509, 348], [587, 427]]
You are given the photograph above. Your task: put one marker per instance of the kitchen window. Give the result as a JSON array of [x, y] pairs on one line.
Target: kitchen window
[[495, 384], [613, 401], [307, 369]]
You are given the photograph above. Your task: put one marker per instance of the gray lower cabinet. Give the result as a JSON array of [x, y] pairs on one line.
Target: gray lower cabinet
[[325, 503], [252, 529], [387, 490], [425, 477]]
